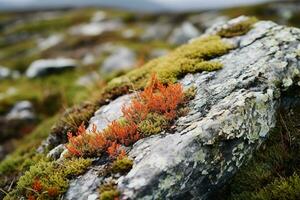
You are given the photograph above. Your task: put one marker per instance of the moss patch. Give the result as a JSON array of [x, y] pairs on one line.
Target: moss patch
[[109, 191], [237, 29], [121, 165], [48, 180]]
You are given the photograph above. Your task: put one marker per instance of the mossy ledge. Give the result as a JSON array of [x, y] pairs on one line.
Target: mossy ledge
[[189, 58]]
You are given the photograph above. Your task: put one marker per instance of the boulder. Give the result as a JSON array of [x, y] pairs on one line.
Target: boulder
[[48, 66], [122, 58], [232, 114], [6, 73], [157, 31], [183, 33], [22, 110]]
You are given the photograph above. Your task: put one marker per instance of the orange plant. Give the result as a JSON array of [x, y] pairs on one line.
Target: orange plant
[[156, 98]]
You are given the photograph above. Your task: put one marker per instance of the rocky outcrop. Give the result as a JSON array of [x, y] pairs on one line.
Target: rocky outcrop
[[230, 117], [47, 66]]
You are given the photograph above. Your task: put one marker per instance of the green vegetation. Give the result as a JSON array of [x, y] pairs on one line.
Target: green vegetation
[[109, 191], [48, 180], [189, 58], [237, 29], [121, 165]]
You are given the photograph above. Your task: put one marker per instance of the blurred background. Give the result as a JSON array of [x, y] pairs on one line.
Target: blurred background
[[58, 53]]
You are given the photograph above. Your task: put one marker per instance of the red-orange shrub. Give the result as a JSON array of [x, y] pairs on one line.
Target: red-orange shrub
[[156, 98]]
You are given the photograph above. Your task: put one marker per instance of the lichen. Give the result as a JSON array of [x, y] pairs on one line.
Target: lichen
[[238, 29]]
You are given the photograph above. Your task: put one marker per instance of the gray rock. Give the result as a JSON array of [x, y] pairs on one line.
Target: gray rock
[[46, 43], [84, 187], [157, 31], [183, 33], [108, 113], [232, 114], [6, 73], [46, 66], [22, 110], [96, 28], [207, 19], [88, 79], [230, 117], [122, 58], [56, 152]]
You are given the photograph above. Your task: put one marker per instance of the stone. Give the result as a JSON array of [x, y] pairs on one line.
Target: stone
[[157, 31], [48, 66], [84, 187], [88, 79], [6, 73], [108, 113], [122, 58], [231, 115], [183, 33], [51, 41], [96, 28], [56, 152], [22, 110]]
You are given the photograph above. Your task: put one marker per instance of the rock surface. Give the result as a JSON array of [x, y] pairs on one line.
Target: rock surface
[[45, 66], [231, 115], [183, 33], [122, 58]]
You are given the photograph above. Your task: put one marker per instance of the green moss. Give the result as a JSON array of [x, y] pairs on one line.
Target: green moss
[[281, 188], [189, 58], [238, 29], [51, 175], [153, 124], [109, 192], [121, 165]]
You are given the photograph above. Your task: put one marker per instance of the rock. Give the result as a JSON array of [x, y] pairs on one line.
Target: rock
[[84, 187], [108, 113], [207, 19], [50, 41], [46, 66], [88, 59], [22, 110], [56, 152], [6, 73], [230, 117], [157, 31], [99, 16], [96, 28], [122, 58], [88, 79], [183, 33]]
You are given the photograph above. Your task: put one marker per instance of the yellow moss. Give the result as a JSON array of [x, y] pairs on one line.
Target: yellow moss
[[51, 175], [153, 124], [121, 165], [189, 58], [109, 191], [238, 29]]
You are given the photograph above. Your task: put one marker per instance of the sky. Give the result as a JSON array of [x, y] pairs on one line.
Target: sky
[[140, 4]]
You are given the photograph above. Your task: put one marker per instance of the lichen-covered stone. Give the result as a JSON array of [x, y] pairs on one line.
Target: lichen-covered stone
[[231, 115]]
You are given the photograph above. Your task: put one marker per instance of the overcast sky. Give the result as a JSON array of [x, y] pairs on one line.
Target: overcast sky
[[169, 4]]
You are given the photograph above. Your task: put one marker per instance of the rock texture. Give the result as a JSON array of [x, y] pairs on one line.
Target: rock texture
[[231, 115]]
